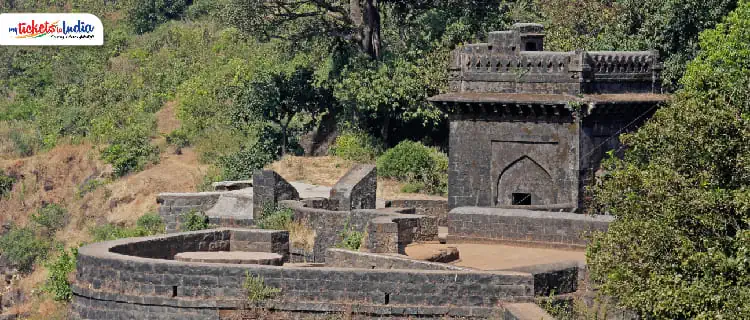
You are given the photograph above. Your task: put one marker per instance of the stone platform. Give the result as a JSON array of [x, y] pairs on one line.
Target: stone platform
[[231, 257]]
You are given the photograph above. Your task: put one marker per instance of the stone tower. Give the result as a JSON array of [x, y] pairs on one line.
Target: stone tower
[[528, 128]]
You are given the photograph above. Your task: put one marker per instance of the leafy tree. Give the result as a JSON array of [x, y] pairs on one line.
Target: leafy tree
[[680, 247], [146, 15], [280, 97]]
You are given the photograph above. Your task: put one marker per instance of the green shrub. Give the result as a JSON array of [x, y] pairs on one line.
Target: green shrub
[[275, 218], [350, 239], [145, 16], [178, 138], [51, 217], [58, 283], [6, 183], [89, 186], [149, 224], [129, 152], [194, 220], [241, 165], [213, 174], [22, 248], [256, 289], [415, 163], [412, 187], [354, 146]]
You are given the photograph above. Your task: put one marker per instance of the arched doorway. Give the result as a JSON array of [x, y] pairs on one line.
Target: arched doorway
[[525, 182]]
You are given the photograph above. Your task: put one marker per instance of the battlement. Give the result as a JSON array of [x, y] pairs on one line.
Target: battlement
[[513, 62]]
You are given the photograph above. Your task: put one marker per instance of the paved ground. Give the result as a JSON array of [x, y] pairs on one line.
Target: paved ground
[[498, 257]]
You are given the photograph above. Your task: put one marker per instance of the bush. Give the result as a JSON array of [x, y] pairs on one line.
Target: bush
[[275, 218], [354, 146], [147, 225], [129, 153], [22, 248], [145, 16], [58, 283], [415, 163], [350, 239], [89, 186], [194, 221], [51, 217], [256, 289], [6, 183], [241, 165], [179, 139]]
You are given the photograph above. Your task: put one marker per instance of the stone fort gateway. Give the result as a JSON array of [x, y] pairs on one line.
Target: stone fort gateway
[[528, 129]]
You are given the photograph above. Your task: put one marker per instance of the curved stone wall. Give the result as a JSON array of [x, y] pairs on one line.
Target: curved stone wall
[[136, 279]]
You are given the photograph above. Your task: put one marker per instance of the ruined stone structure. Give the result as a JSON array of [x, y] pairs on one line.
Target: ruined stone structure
[[530, 127]]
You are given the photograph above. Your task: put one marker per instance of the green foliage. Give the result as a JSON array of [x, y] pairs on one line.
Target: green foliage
[[412, 187], [146, 15], [413, 162], [350, 239], [256, 289], [58, 283], [679, 247], [147, 225], [22, 247], [194, 221], [129, 151], [6, 183], [275, 218], [355, 146], [241, 164], [51, 217], [88, 186], [178, 138]]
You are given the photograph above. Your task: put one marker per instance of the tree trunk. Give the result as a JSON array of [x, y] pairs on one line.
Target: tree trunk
[[283, 139], [367, 21]]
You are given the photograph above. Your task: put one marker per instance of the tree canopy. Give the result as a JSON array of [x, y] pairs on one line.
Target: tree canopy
[[680, 245]]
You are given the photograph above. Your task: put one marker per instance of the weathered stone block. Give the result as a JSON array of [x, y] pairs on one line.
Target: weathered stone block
[[356, 189]]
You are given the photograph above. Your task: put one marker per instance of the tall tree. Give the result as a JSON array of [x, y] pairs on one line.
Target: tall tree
[[680, 247]]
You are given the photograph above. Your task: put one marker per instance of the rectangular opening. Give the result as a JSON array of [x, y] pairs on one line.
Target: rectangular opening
[[522, 199], [387, 298], [174, 291]]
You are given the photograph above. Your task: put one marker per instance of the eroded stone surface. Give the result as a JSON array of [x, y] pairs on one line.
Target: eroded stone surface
[[231, 257]]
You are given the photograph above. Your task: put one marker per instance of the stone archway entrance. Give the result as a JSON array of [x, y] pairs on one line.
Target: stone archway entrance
[[525, 182]]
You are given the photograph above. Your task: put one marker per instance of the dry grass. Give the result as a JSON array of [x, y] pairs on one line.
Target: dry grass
[[301, 236]]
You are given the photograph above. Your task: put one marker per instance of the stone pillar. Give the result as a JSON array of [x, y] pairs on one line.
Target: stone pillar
[[268, 189], [356, 189]]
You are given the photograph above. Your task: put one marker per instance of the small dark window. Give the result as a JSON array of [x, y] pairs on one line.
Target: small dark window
[[522, 199], [387, 298], [174, 291], [530, 46]]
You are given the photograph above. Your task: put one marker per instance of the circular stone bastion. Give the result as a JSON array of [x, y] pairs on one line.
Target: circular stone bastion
[[231, 257]]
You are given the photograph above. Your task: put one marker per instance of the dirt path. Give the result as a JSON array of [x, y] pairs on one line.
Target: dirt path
[[498, 257]]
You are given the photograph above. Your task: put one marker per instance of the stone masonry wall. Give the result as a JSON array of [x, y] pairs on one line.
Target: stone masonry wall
[[523, 227], [111, 285], [356, 189], [270, 188], [329, 224], [433, 208], [174, 205], [366, 260]]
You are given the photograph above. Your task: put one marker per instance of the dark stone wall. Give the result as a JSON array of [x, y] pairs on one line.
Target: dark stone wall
[[329, 224], [270, 188], [353, 259], [434, 208], [523, 227], [111, 285], [173, 205], [356, 189], [538, 158]]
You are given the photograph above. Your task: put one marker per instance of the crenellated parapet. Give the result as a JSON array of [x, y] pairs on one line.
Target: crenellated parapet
[[511, 63]]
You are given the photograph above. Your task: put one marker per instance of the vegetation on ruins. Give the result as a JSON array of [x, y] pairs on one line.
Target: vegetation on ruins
[[257, 290], [422, 167], [147, 225], [275, 217], [194, 220], [679, 247], [349, 238]]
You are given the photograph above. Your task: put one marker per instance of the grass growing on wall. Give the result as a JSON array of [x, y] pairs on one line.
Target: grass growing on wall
[[257, 290]]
